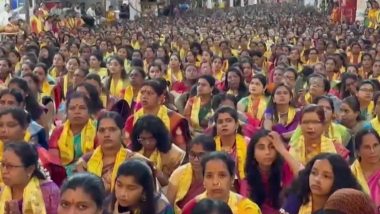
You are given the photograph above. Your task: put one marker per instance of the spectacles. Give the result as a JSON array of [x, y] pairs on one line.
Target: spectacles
[[9, 166], [193, 155], [145, 140]]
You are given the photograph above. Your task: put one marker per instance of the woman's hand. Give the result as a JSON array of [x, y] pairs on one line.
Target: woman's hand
[[277, 142]]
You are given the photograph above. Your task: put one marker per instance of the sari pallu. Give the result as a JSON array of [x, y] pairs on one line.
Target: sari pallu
[[61, 90]]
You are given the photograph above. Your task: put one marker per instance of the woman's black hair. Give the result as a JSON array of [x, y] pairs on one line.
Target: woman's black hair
[[143, 175], [154, 126], [353, 103], [226, 158], [33, 77], [261, 78], [18, 114], [99, 57], [156, 85], [206, 141], [343, 177], [94, 76], [90, 184], [365, 82], [327, 98], [258, 194], [77, 95], [219, 98], [114, 116], [43, 66], [208, 206], [211, 81], [242, 91], [28, 155], [360, 134], [31, 104], [96, 103], [140, 70], [17, 95]]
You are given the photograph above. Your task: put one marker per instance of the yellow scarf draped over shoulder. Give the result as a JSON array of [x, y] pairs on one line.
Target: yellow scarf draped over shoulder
[[116, 88], [32, 198], [184, 179], [46, 89], [195, 109], [241, 153], [298, 149], [257, 111], [358, 173], [306, 208], [172, 76], [95, 163], [375, 123], [129, 95], [162, 114], [66, 141], [237, 203], [155, 157]]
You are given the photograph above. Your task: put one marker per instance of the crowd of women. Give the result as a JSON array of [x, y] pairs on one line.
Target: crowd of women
[[265, 109]]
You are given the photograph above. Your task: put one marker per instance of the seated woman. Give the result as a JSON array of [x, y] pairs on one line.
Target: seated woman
[[117, 79], [322, 176], [76, 136], [312, 141], [191, 76], [107, 157], [255, 104], [269, 170], [79, 189], [107, 100], [234, 83], [198, 108], [332, 130], [34, 132], [281, 116], [218, 175], [27, 189], [96, 105], [186, 181], [366, 167], [365, 91], [152, 97], [228, 138], [151, 138], [135, 191], [96, 63], [131, 92]]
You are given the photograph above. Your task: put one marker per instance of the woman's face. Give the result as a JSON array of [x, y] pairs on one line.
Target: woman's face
[[195, 155], [10, 129], [7, 101], [367, 61], [351, 85], [321, 178], [217, 179], [122, 52], [13, 58], [12, 170], [155, 72], [278, 76], [191, 73], [174, 62], [226, 125], [114, 67], [282, 96], [369, 150], [347, 115], [128, 192], [265, 153], [147, 140], [233, 80], [256, 87], [94, 62], [206, 56], [77, 201], [40, 73], [72, 65], [109, 134], [161, 52], [317, 87], [203, 87], [330, 66], [365, 92], [77, 111], [216, 65], [58, 61], [149, 97], [190, 57], [327, 109], [25, 69], [311, 126], [136, 78]]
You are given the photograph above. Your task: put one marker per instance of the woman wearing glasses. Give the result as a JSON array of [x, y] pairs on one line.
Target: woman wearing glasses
[[27, 190], [150, 138], [186, 181]]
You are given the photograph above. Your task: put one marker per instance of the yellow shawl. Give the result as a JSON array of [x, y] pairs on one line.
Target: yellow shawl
[[241, 153], [257, 111], [66, 141], [306, 208], [65, 84], [298, 149], [195, 108], [115, 89], [184, 182], [237, 203], [129, 95], [155, 157], [95, 163], [32, 198], [162, 114], [358, 173], [375, 123], [46, 89], [172, 76]]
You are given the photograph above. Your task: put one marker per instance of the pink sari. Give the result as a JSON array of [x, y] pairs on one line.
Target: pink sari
[[374, 187]]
